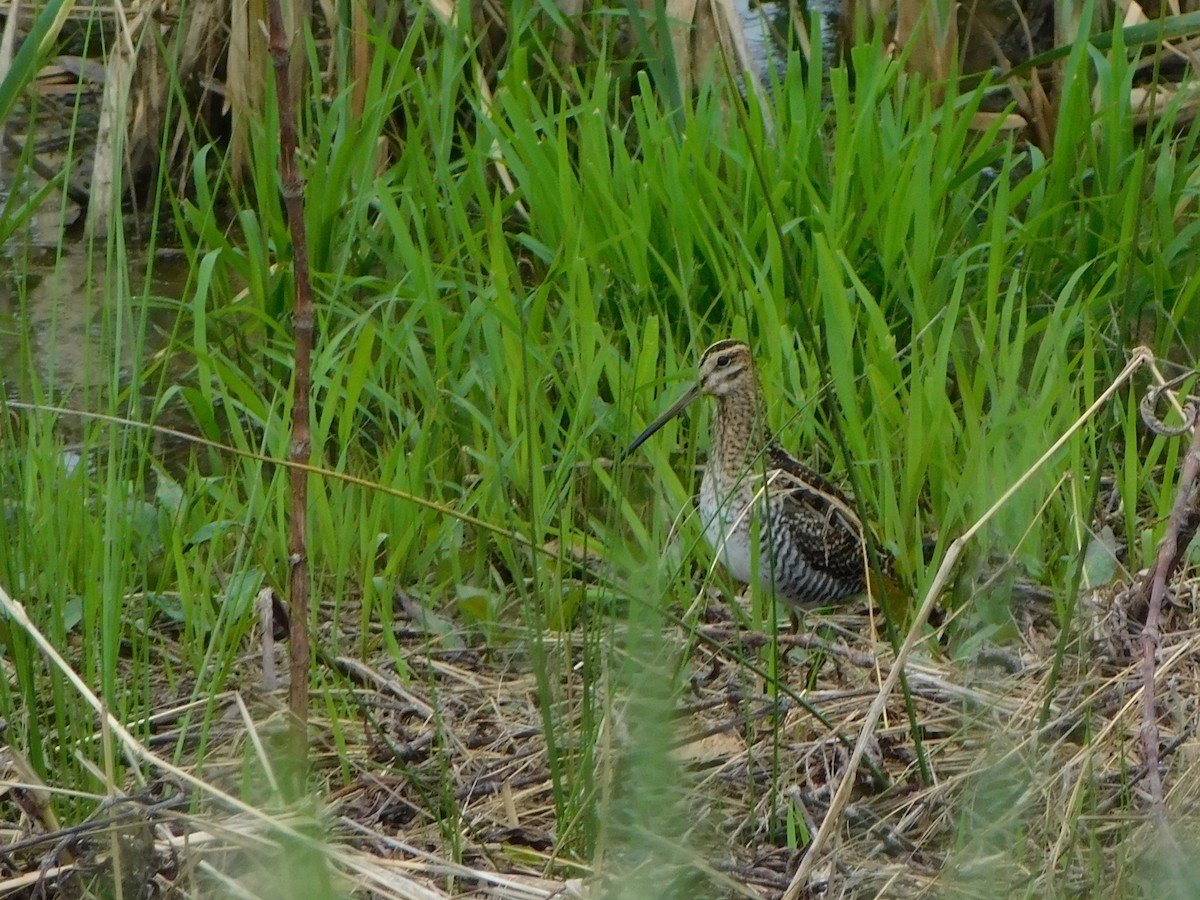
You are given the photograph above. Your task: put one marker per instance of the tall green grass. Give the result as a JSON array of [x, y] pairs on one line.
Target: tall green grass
[[489, 352]]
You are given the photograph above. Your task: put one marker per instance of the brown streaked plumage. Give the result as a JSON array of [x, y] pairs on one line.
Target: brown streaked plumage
[[810, 538]]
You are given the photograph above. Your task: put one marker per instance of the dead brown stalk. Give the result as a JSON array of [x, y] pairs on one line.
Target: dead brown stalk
[[300, 450], [1181, 528]]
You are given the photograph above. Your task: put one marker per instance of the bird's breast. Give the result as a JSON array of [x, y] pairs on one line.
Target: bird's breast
[[726, 510]]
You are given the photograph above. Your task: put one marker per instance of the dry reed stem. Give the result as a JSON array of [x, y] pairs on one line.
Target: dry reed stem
[[703, 32], [6, 52], [931, 28], [360, 59], [112, 132], [1181, 528], [245, 82], [565, 41], [300, 449]]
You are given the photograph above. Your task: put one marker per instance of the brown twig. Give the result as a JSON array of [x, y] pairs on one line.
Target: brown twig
[[292, 188], [756, 639], [1181, 528]]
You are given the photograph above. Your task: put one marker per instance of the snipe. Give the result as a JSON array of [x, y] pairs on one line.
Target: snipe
[[810, 538]]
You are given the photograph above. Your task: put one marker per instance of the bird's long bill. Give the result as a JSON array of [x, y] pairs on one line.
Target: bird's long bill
[[675, 409]]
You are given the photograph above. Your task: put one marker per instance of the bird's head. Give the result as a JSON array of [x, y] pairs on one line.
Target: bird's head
[[727, 367]]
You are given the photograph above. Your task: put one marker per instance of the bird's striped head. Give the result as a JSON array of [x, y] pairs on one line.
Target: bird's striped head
[[726, 368]]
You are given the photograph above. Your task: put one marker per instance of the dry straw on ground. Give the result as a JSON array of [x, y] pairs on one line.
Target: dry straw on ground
[[1000, 742]]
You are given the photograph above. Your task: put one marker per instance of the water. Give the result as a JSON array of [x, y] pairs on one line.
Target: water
[[53, 344], [767, 27]]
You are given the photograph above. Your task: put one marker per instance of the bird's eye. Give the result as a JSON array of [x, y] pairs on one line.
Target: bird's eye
[[723, 361]]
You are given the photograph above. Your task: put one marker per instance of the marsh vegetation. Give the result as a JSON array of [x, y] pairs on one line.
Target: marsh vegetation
[[528, 677]]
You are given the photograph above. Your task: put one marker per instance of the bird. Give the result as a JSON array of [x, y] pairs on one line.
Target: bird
[[811, 542]]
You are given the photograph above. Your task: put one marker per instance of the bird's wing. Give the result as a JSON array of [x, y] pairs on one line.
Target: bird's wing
[[823, 513]]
